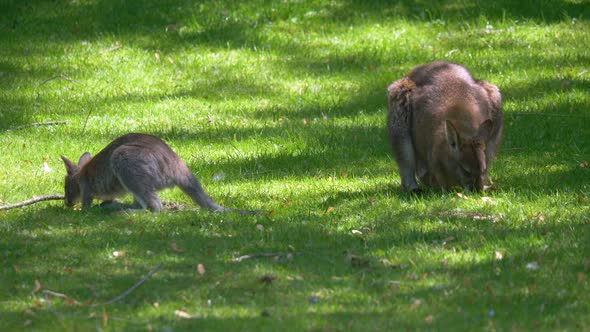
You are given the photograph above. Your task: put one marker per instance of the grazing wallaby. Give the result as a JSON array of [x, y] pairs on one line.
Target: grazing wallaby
[[444, 127], [136, 163]]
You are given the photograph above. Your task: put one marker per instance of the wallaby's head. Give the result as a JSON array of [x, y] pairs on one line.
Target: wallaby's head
[[72, 181], [467, 157]]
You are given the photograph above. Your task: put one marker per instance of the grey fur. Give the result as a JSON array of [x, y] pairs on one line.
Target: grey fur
[[136, 163], [444, 127]]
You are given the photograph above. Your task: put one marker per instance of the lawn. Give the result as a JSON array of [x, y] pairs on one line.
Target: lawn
[[280, 106]]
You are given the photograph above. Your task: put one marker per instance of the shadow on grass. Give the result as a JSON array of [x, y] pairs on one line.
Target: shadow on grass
[[64, 262]]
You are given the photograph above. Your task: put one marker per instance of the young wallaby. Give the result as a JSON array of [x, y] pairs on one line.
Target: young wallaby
[[444, 127], [136, 163]]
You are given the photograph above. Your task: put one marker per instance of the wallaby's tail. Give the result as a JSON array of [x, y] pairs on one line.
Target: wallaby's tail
[[192, 187]]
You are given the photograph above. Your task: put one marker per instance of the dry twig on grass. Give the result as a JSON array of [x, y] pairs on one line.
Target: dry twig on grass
[[259, 255], [37, 124], [32, 201], [132, 288], [60, 76]]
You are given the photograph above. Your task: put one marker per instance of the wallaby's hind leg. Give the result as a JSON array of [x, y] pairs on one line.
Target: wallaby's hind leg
[[399, 126], [145, 198], [148, 200], [138, 180]]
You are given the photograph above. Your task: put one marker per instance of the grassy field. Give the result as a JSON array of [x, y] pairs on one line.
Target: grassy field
[[280, 106]]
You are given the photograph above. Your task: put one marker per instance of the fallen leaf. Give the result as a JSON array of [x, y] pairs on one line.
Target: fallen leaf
[[582, 199], [532, 288], [580, 277], [498, 255], [540, 217], [489, 200], [267, 279], [372, 200], [201, 269], [29, 312], [329, 209], [118, 254], [175, 247], [415, 304], [105, 318], [532, 266], [182, 314], [271, 213], [219, 176], [70, 300], [357, 261], [46, 168], [467, 282], [448, 239], [564, 83], [172, 27], [393, 285], [490, 290], [461, 195], [423, 275], [37, 286]]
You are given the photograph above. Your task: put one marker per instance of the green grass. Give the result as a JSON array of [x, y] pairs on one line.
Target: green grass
[[280, 105]]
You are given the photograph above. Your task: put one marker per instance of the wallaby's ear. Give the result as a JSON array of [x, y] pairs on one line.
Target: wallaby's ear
[[452, 136], [485, 130], [70, 166], [84, 159]]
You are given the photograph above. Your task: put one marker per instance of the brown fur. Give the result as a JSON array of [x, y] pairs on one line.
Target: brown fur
[[136, 163], [444, 127]]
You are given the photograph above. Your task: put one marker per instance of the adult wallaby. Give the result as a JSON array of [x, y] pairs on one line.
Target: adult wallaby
[[444, 127], [136, 163]]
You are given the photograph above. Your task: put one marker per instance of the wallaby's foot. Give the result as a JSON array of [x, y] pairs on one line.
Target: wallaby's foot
[[147, 200], [416, 191]]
